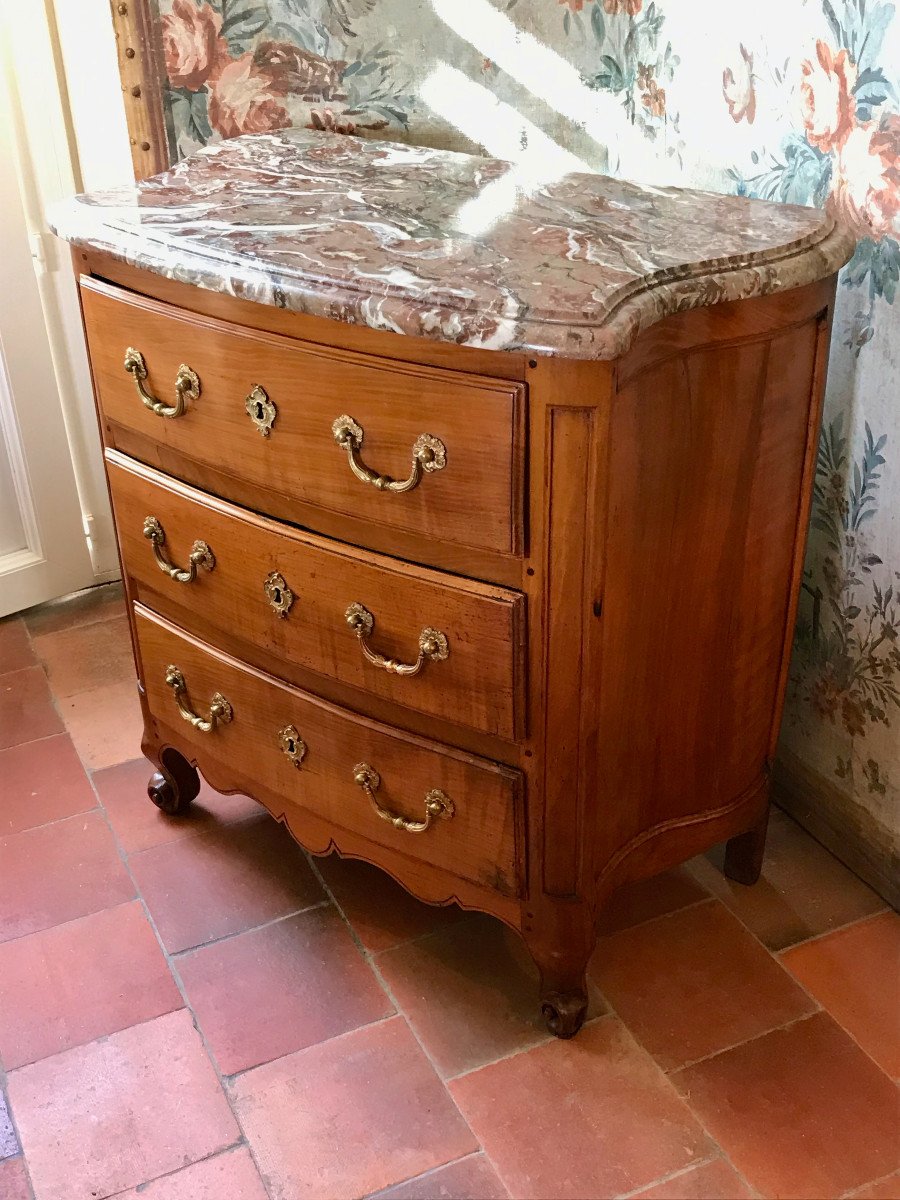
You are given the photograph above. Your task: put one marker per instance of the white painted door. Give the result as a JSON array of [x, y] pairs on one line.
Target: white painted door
[[43, 548]]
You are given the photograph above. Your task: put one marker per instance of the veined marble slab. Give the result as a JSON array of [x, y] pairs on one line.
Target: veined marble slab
[[432, 243]]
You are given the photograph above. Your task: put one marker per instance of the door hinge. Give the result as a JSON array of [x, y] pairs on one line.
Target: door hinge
[[38, 253]]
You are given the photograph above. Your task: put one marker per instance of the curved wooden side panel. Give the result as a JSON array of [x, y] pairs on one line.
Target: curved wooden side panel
[[708, 501], [671, 842]]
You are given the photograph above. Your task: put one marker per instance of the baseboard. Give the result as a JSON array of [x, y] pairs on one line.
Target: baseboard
[[848, 832]]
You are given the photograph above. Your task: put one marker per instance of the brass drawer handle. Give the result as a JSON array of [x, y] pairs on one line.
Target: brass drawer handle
[[187, 385], [428, 454], [220, 711], [432, 644], [292, 744], [201, 555], [438, 804]]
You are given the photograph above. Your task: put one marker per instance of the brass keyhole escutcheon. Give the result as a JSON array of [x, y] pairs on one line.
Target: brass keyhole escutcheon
[[278, 593], [292, 744], [261, 411]]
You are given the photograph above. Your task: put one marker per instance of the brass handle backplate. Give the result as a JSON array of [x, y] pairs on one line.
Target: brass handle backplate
[[220, 711], [432, 644], [292, 744], [438, 805], [187, 385], [261, 411], [201, 555], [428, 454]]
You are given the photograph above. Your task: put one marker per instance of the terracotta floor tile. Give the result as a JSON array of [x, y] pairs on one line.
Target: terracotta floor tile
[[114, 1113], [14, 1183], [383, 914], [588, 1118], [882, 1189], [76, 982], [86, 656], [15, 645], [81, 608], [274, 990], [639, 902], [26, 707], [803, 891], [42, 781], [139, 824], [855, 974], [9, 1144], [470, 993], [224, 882], [228, 1176], [693, 983], [105, 723], [715, 1180], [801, 1112], [57, 873], [471, 1178], [349, 1116]]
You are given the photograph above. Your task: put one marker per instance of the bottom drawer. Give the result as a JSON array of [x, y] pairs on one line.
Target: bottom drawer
[[421, 799]]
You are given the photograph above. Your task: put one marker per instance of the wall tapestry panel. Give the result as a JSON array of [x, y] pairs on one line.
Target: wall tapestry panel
[[793, 100]]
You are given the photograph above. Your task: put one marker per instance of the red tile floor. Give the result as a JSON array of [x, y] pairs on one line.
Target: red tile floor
[[193, 1010]]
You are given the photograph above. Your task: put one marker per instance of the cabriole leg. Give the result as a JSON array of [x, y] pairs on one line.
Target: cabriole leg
[[563, 990]]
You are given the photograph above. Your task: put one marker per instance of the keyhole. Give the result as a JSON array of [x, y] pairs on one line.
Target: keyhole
[[292, 746], [259, 410], [277, 594]]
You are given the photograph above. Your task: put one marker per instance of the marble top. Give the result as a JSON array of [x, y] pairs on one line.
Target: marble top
[[436, 244]]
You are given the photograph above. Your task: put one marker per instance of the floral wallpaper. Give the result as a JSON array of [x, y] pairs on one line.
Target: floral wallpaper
[[792, 100]]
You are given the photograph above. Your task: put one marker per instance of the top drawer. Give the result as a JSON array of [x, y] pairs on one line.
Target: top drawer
[[325, 427]]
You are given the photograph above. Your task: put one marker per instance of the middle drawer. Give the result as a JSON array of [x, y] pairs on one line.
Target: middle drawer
[[432, 642]]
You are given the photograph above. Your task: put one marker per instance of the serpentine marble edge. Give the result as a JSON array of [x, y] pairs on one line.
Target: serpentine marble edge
[[454, 247]]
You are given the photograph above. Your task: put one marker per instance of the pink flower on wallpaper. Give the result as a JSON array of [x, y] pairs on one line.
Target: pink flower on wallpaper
[[244, 100], [575, 5], [631, 7], [827, 99], [738, 89], [192, 44], [866, 189]]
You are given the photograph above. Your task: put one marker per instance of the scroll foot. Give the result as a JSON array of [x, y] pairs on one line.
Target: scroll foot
[[564, 1012], [175, 785]]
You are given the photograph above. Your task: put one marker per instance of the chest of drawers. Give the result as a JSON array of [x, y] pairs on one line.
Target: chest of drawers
[[472, 555]]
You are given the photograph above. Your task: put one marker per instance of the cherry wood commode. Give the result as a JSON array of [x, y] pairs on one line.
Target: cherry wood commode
[[610, 696], [511, 623]]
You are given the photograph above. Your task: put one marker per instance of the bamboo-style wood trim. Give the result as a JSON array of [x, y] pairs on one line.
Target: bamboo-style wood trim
[[141, 72]]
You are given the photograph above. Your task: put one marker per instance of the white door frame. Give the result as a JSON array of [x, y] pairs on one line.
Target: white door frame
[[46, 401]]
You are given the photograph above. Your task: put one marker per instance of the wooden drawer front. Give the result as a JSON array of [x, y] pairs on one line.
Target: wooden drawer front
[[480, 681], [477, 498], [479, 842]]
